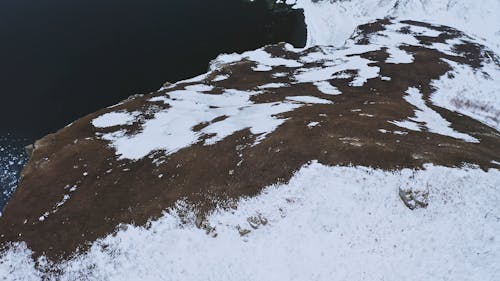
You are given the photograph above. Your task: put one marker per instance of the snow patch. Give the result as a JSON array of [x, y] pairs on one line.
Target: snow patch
[[273, 86], [111, 119], [471, 92], [309, 99], [172, 129], [220, 78], [326, 88], [326, 224], [431, 119], [364, 71], [312, 124], [265, 61], [333, 22]]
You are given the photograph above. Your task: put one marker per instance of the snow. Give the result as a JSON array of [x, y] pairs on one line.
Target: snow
[[58, 205], [366, 115], [172, 129], [384, 131], [309, 99], [326, 88], [114, 119], [431, 119], [264, 59], [259, 118], [471, 92], [398, 56], [312, 124], [328, 223], [424, 31], [393, 39], [335, 61], [365, 71], [273, 85], [261, 67], [407, 124], [199, 88], [280, 74], [195, 79], [333, 22], [220, 78]]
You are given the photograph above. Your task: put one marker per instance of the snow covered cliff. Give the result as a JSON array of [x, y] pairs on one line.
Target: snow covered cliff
[[373, 159], [331, 22]]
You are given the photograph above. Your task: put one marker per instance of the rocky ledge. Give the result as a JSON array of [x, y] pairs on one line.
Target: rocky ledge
[[398, 94]]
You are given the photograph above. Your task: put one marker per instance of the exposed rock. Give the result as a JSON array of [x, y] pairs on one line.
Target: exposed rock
[[242, 231], [245, 125], [257, 221], [414, 199]]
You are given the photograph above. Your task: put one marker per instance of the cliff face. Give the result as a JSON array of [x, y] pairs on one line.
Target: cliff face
[[396, 95]]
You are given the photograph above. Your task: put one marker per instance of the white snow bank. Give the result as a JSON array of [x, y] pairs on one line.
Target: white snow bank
[[328, 223], [326, 88], [357, 63], [432, 120], [111, 119], [471, 92], [261, 57], [331, 22]]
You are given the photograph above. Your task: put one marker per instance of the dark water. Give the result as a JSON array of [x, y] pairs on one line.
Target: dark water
[[12, 159], [60, 60]]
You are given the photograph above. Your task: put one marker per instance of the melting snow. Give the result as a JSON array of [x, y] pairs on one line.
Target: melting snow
[[328, 222], [424, 31], [332, 22], [309, 99], [338, 65], [280, 74], [312, 124], [471, 92], [326, 88], [433, 121], [397, 55], [273, 85], [114, 119], [172, 128], [220, 78], [264, 60]]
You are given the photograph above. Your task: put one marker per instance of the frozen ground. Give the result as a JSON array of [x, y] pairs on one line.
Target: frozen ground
[[470, 91], [328, 223]]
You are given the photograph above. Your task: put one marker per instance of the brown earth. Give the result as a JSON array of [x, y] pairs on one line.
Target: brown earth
[[123, 191]]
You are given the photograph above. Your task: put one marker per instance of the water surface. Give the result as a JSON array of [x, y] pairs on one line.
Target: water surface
[[61, 60]]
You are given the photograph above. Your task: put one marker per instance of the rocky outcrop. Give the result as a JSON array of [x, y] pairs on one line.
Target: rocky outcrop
[[253, 120]]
